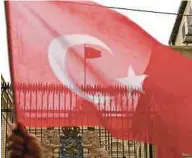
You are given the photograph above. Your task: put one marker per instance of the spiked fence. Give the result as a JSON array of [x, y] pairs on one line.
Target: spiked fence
[[117, 148]]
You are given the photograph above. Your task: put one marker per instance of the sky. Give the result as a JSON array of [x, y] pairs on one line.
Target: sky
[[159, 26]]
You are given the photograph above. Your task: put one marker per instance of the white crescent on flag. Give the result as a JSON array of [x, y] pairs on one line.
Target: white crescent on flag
[[57, 54]]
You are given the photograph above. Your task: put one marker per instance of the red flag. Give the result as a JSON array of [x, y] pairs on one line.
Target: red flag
[[92, 53], [47, 41]]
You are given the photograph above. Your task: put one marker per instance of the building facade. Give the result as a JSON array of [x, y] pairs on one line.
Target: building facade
[[182, 31], [181, 35]]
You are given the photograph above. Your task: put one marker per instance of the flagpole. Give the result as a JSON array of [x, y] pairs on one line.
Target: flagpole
[[10, 51], [85, 66]]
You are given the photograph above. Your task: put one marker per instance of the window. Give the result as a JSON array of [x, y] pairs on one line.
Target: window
[[189, 18], [187, 29]]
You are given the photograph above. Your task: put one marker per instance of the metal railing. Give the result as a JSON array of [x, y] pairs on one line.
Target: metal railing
[[116, 148]]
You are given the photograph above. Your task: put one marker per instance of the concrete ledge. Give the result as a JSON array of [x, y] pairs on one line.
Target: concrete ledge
[[185, 50]]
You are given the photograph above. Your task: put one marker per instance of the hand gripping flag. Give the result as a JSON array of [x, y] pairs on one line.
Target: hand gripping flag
[[47, 42]]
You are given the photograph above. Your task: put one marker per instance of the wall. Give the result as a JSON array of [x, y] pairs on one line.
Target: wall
[[179, 38]]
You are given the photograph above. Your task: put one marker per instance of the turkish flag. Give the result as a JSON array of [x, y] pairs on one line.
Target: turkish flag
[[47, 47], [91, 53]]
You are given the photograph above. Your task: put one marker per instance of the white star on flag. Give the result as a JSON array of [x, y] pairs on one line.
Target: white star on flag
[[133, 81]]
